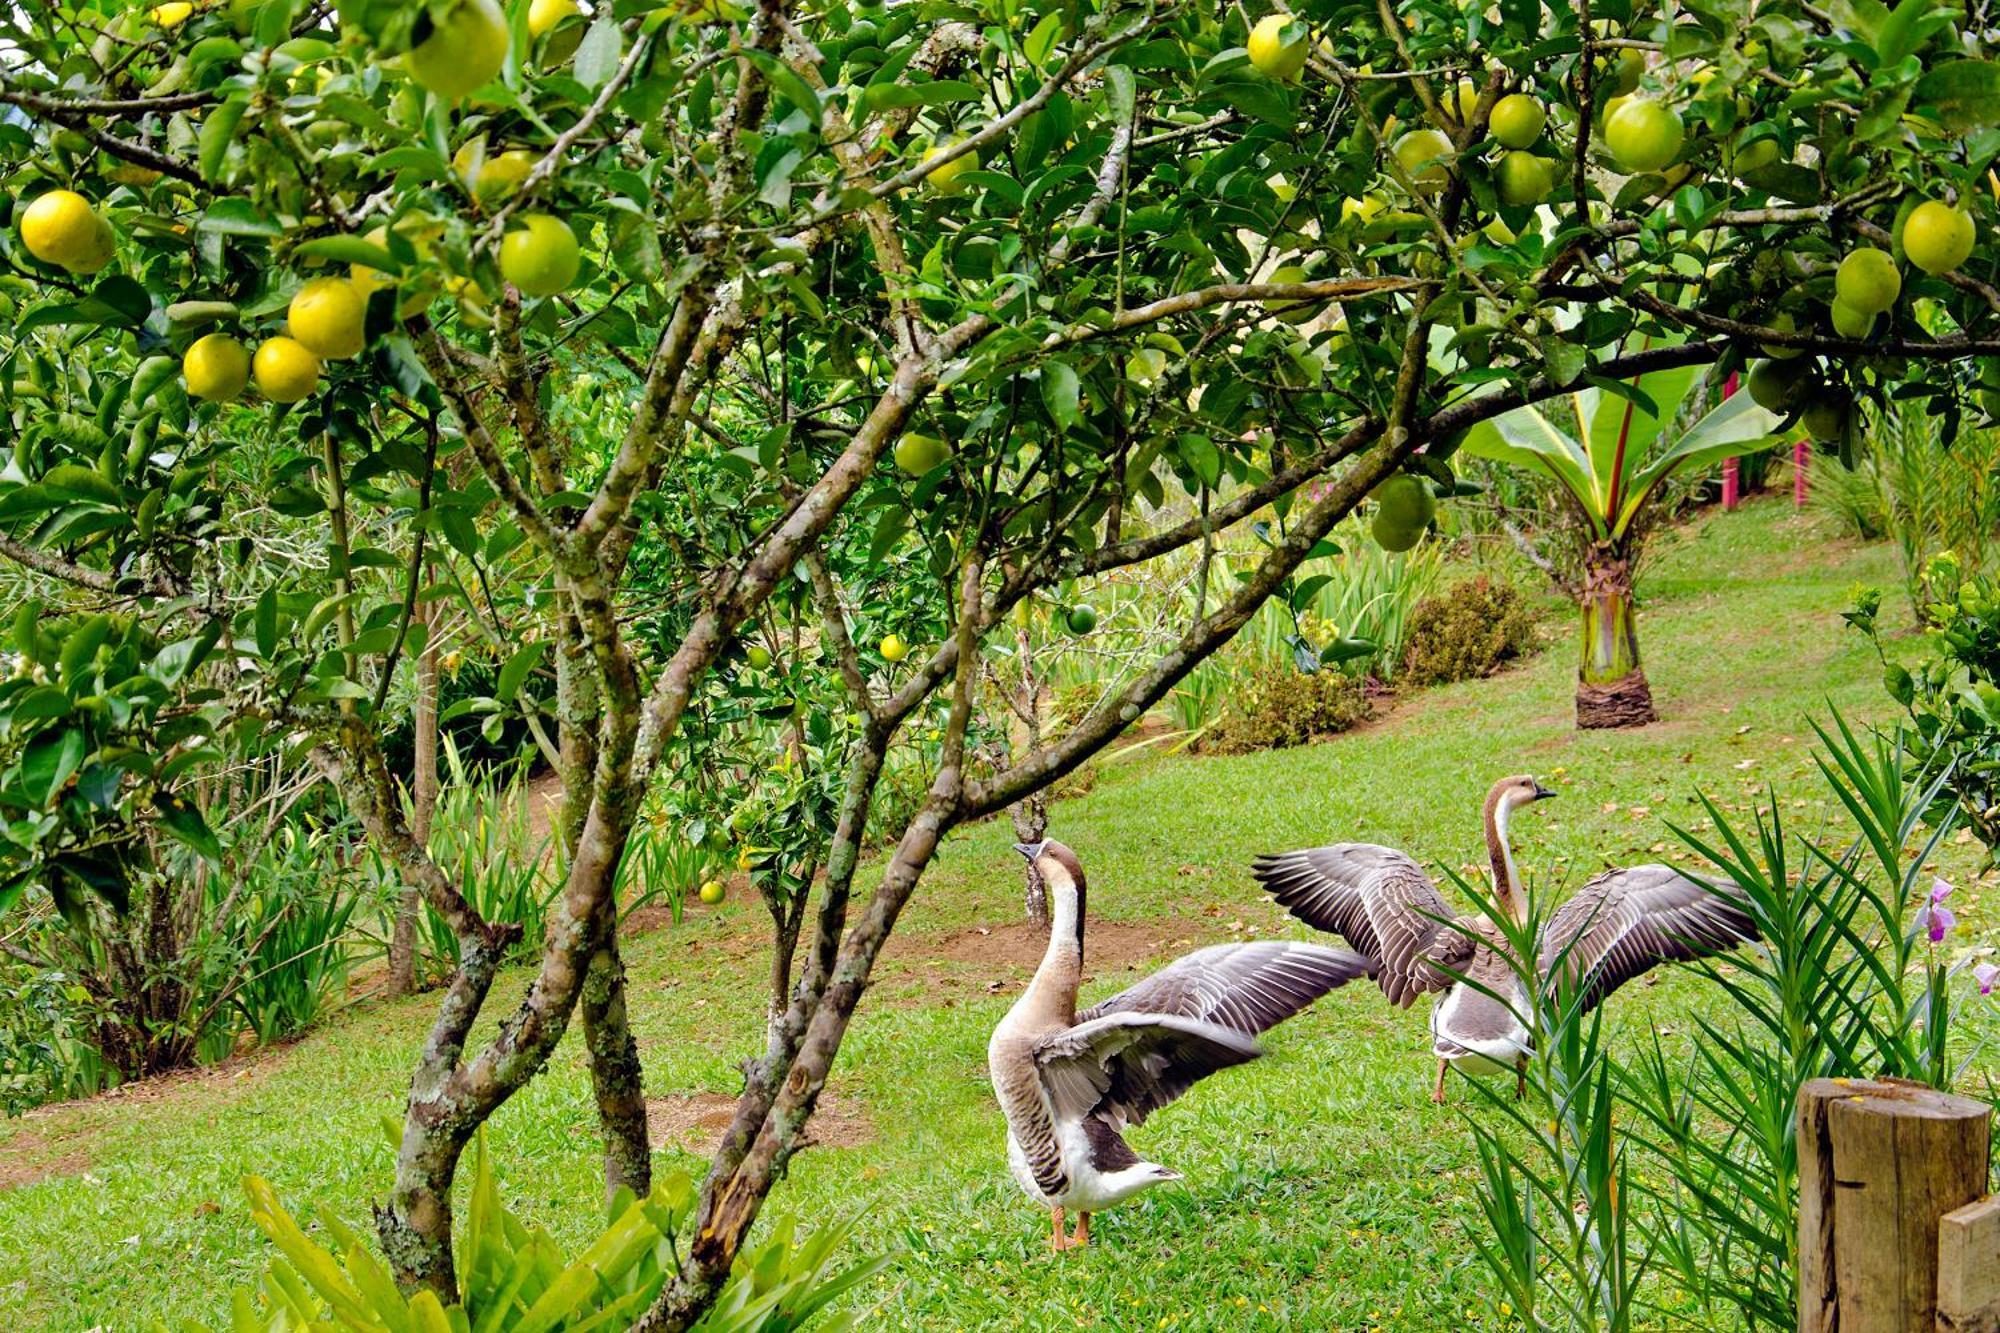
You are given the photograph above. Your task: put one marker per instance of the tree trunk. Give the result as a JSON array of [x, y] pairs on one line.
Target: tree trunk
[[616, 1075], [423, 794], [1611, 688], [1031, 824]]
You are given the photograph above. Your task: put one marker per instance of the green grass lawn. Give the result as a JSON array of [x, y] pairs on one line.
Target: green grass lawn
[[1322, 1190]]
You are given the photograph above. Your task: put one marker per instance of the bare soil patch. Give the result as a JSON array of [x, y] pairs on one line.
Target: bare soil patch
[[30, 1157], [694, 1122]]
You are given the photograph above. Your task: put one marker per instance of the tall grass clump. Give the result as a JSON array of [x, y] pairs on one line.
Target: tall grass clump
[[1691, 1207]]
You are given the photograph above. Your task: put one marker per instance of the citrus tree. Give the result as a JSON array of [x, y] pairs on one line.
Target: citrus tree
[[874, 319], [1607, 475]]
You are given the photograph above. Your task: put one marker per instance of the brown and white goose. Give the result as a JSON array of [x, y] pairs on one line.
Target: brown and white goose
[[1619, 925], [1070, 1083]]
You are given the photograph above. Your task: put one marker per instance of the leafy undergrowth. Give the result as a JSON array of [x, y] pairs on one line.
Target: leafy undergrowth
[[1322, 1190]]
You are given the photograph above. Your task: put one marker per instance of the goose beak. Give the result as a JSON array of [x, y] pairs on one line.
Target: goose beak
[[1031, 850], [1542, 793]]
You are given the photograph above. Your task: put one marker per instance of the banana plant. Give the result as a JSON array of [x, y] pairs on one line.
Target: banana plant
[[1608, 479]]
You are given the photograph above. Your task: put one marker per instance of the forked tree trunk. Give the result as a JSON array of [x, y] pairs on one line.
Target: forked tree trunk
[[1611, 688], [423, 796]]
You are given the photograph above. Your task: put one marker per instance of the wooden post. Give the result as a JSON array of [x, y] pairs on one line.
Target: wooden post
[[1880, 1165], [1969, 1269]]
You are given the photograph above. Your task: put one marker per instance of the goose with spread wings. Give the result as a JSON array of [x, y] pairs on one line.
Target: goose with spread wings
[[1071, 1083], [1619, 925]]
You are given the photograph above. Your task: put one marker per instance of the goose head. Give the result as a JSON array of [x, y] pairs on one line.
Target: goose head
[[1062, 875], [1508, 795]]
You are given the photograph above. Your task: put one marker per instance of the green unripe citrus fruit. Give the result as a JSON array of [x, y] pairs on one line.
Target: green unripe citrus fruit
[[1521, 179], [540, 255], [757, 655], [1849, 322], [1294, 312], [1082, 618], [1405, 501], [712, 892], [1783, 322], [462, 53], [1779, 386], [1867, 281], [1517, 120], [1644, 135], [1825, 418], [918, 454]]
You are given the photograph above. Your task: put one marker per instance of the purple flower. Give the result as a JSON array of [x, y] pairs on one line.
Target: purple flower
[[1986, 974], [1937, 919]]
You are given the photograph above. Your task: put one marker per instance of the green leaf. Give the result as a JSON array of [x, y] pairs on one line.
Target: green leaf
[[75, 481], [152, 373], [1061, 393], [349, 250], [1202, 457], [48, 762], [598, 54], [266, 623], [185, 823], [1963, 95], [1524, 438], [218, 131], [789, 85], [1737, 427], [80, 648], [515, 672], [237, 217]]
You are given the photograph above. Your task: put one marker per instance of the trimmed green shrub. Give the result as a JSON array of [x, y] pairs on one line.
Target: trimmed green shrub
[[1276, 707], [1466, 632]]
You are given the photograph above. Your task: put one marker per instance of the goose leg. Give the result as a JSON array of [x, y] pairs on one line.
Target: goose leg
[[1059, 1238], [1437, 1092], [1520, 1078], [1082, 1236]]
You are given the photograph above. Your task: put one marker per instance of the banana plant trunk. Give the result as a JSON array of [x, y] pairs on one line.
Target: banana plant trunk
[[1611, 688]]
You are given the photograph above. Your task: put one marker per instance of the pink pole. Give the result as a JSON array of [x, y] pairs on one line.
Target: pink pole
[[1732, 474], [1801, 471]]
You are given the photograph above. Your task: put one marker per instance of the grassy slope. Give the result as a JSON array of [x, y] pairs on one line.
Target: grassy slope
[[1322, 1190]]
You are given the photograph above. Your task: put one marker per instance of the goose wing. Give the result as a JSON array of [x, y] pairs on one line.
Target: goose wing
[[1380, 901], [1247, 988], [1133, 1053], [1122, 1067], [1624, 923]]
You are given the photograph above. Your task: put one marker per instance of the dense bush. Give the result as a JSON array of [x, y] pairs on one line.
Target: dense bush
[[1466, 632], [1275, 707]]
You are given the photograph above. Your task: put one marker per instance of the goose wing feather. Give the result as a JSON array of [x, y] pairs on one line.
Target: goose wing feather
[[1248, 988], [1624, 923], [1124, 1066], [1380, 901]]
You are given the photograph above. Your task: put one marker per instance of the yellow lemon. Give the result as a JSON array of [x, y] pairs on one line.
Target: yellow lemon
[[216, 367], [545, 14], [1522, 178], [172, 14], [497, 177], [329, 316], [893, 648], [945, 177], [286, 371], [540, 256], [1424, 156], [1271, 53], [1937, 237], [464, 52], [62, 228], [418, 291]]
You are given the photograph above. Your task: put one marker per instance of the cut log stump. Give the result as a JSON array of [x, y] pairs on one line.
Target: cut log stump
[[1969, 1269], [1881, 1164]]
